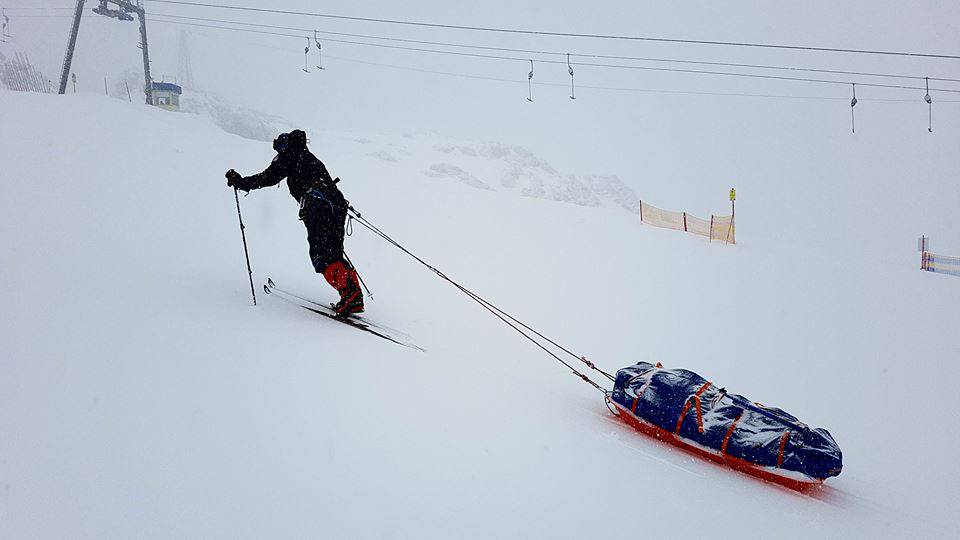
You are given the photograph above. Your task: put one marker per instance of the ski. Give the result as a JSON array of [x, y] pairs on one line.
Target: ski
[[326, 312], [329, 308]]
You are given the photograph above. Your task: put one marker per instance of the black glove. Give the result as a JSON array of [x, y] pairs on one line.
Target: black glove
[[233, 178]]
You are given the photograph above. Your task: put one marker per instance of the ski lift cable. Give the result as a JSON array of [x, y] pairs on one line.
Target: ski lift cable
[[612, 66], [560, 34], [543, 52], [592, 87], [622, 89], [575, 55], [608, 66]]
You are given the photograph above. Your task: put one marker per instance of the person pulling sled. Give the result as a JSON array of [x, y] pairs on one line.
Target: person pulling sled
[[323, 210]]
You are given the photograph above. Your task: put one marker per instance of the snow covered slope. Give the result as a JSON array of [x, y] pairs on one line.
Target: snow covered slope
[[516, 168], [142, 396], [230, 117]]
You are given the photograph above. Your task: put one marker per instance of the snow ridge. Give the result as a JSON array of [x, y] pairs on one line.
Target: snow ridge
[[515, 168]]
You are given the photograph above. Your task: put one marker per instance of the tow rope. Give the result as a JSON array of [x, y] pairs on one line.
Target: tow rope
[[506, 318]]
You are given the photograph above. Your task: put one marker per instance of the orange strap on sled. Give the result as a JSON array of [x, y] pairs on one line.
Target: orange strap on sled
[[643, 388], [686, 407], [783, 444], [726, 438]]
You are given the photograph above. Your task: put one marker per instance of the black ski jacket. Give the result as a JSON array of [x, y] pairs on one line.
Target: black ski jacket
[[302, 170]]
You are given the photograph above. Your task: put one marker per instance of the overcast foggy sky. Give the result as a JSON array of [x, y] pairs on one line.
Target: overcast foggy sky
[[619, 130]]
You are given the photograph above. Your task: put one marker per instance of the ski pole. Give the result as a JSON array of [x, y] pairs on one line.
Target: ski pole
[[246, 253], [362, 282]]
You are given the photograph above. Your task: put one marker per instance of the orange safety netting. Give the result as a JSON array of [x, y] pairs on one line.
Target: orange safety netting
[[716, 228], [942, 264]]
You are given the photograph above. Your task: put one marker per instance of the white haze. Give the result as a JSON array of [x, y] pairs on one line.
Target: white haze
[[141, 395]]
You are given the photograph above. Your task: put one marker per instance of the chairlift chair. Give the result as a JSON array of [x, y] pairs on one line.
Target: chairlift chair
[[530, 83], [306, 52], [319, 51]]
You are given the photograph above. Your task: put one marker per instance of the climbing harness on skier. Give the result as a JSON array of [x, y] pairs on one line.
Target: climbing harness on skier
[[323, 210]]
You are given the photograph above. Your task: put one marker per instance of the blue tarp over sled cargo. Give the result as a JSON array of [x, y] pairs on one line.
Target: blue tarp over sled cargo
[[681, 407]]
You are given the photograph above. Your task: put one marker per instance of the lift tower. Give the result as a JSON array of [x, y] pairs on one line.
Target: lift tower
[[126, 7]]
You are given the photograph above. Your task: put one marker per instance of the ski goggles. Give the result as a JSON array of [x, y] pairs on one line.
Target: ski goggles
[[280, 143]]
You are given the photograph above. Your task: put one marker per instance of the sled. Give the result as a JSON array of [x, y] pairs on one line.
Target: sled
[[679, 407]]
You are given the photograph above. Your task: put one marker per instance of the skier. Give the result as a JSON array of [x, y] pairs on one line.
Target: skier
[[323, 210]]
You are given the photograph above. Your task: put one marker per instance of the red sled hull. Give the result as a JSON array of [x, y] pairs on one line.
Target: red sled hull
[[788, 479]]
